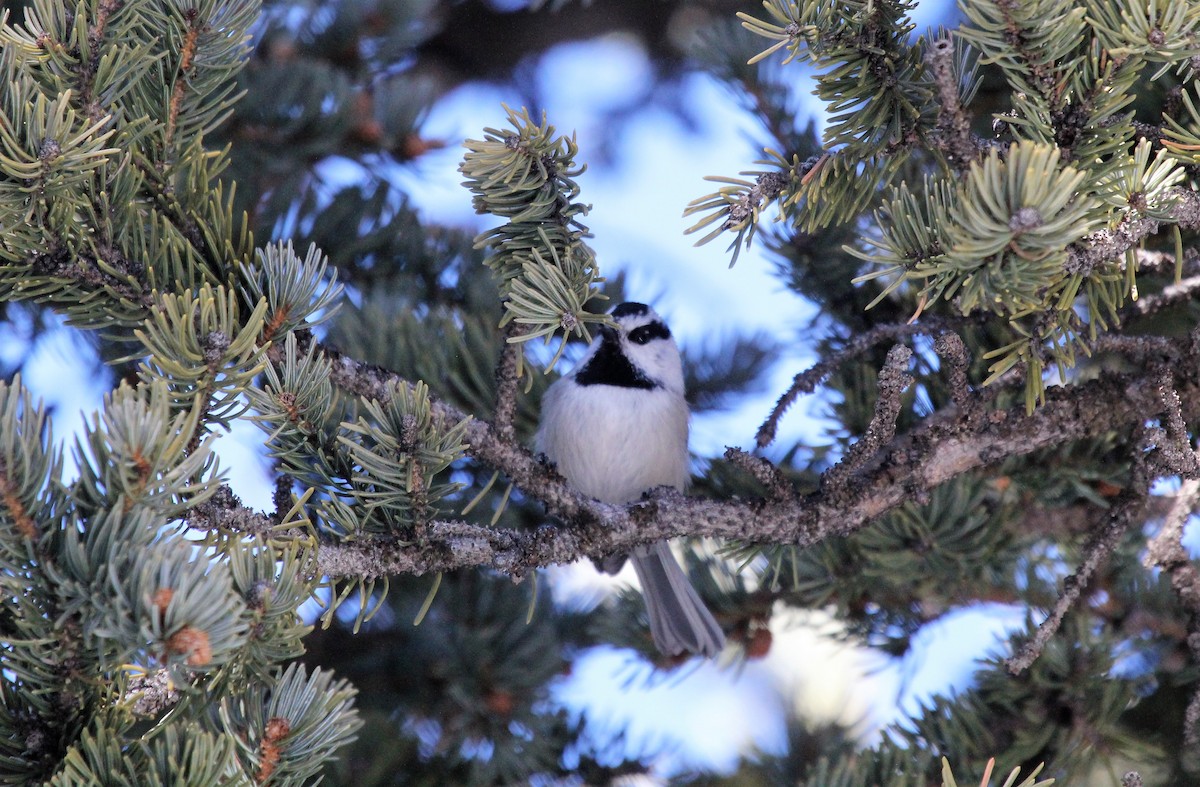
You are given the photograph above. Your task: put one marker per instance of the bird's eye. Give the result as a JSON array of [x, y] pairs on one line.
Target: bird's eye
[[644, 333]]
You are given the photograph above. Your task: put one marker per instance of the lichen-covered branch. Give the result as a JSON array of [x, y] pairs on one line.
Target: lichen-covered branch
[[1099, 547], [894, 380], [1166, 551], [807, 381], [944, 447], [508, 370], [953, 124], [1104, 245]]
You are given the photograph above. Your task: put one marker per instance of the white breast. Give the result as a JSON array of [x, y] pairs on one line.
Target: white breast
[[615, 443]]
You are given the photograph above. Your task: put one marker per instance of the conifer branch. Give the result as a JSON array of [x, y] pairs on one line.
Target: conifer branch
[[1130, 507], [187, 53], [115, 230], [15, 508], [91, 59], [161, 191], [86, 271], [944, 447], [1105, 245]]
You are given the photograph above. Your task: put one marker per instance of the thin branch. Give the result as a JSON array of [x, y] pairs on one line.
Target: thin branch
[[807, 381], [763, 471], [224, 511], [953, 125], [83, 268], [90, 62], [1105, 245], [281, 498], [917, 462], [1191, 716], [894, 380], [530, 475], [1166, 551], [1129, 505], [1099, 547], [1154, 261], [944, 447], [950, 348], [508, 369], [1175, 452], [1185, 290], [1151, 351], [187, 54], [10, 497]]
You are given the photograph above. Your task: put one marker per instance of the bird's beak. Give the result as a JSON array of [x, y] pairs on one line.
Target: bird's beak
[[608, 333]]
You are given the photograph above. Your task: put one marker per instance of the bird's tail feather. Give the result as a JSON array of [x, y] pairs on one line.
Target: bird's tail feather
[[679, 620]]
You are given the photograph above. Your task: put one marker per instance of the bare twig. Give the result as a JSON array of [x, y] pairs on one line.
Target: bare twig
[[763, 471], [954, 138], [1172, 294], [1148, 350], [1105, 245], [224, 511], [1166, 551], [1152, 260], [950, 348], [808, 380], [1191, 716], [507, 369], [1175, 452], [894, 380], [1099, 547]]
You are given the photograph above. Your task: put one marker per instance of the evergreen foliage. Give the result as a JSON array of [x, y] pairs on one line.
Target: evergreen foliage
[[997, 224]]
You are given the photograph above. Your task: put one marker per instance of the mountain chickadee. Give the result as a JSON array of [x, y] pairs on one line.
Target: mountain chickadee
[[617, 426]]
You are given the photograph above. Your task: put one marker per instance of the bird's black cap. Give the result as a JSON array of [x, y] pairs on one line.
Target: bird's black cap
[[629, 309]]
